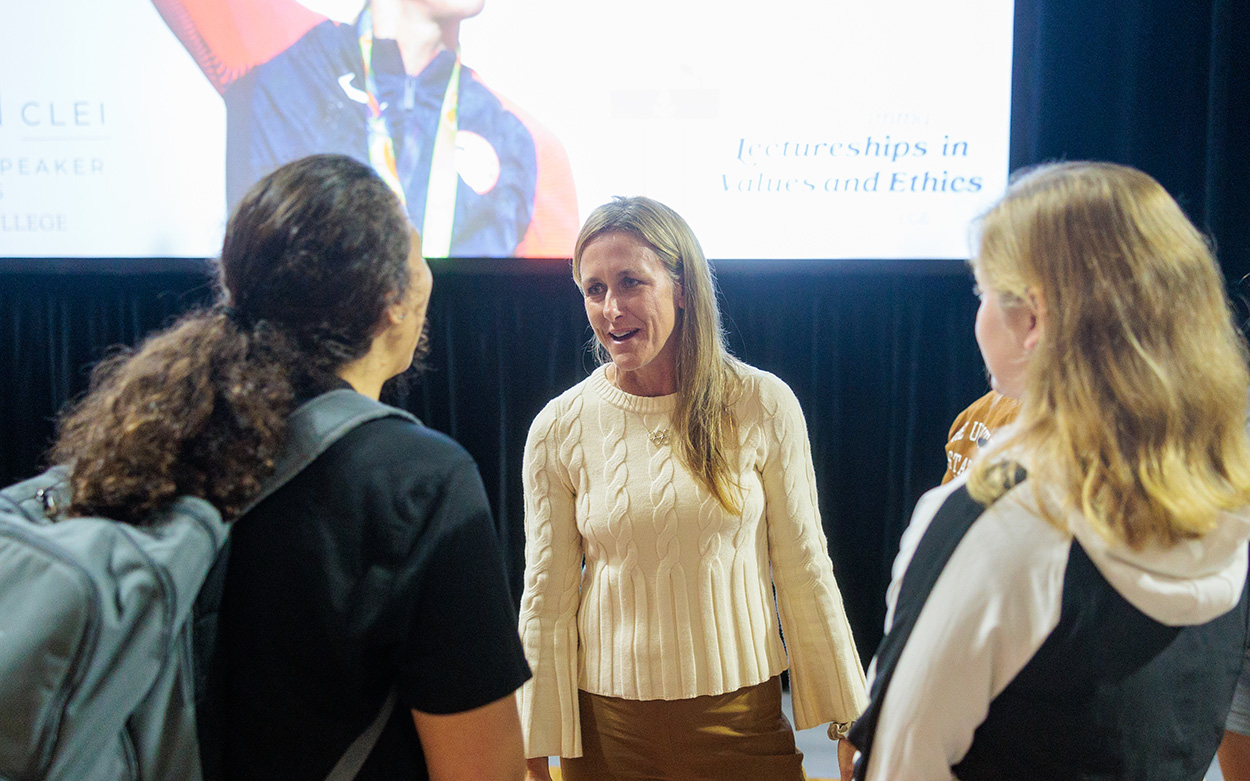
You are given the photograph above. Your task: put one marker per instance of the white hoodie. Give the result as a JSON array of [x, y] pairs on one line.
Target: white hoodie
[[998, 599]]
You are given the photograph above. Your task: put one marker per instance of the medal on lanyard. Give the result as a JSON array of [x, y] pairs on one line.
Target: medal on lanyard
[[440, 202], [440, 199]]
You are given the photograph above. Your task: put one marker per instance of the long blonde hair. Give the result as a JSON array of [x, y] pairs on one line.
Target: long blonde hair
[[707, 375], [1135, 396]]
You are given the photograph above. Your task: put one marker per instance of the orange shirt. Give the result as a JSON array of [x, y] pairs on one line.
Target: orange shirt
[[973, 428]]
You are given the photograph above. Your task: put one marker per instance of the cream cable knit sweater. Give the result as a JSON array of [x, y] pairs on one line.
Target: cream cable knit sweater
[[675, 599]]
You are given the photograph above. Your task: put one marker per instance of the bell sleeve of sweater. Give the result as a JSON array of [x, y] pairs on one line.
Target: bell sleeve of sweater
[[826, 678], [553, 570]]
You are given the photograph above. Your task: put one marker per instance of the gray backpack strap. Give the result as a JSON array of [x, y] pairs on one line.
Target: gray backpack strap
[[354, 758], [40, 498], [311, 429], [316, 425]]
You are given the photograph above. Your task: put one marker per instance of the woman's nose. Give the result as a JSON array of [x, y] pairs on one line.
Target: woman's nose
[[611, 309]]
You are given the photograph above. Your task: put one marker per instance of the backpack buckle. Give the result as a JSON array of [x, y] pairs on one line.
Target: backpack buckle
[[48, 500]]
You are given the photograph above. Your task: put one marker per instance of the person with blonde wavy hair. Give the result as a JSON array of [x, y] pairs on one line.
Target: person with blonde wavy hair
[[1074, 607], [665, 496]]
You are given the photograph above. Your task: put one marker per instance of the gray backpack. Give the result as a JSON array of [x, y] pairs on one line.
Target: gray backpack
[[97, 663]]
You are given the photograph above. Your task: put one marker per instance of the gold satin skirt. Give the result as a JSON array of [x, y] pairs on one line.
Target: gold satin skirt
[[742, 735]]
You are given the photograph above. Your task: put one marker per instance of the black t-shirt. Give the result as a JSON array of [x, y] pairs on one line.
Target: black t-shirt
[[378, 566]]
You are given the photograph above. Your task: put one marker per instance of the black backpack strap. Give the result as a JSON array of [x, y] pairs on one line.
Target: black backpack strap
[[945, 531]]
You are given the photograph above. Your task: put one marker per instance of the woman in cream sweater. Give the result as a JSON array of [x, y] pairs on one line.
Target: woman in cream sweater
[[666, 495]]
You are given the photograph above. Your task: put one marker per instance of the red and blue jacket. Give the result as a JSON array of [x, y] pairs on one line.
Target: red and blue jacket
[[293, 82]]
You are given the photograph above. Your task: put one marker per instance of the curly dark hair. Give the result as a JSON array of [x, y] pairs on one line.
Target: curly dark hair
[[313, 255]]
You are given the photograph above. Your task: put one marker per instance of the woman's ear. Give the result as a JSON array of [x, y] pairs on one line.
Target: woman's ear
[[392, 317], [681, 295], [1036, 306]]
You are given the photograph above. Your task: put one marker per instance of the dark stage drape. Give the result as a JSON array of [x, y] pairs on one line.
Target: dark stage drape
[[881, 356]]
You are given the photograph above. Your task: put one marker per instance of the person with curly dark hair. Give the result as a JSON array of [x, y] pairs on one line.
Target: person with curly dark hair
[[374, 570]]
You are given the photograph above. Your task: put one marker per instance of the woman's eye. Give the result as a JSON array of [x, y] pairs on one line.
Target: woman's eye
[[594, 290], [630, 282]]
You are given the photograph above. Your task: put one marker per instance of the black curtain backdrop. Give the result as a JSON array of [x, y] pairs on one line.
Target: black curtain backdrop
[[881, 356]]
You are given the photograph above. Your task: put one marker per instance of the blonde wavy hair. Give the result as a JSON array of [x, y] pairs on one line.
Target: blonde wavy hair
[[707, 375], [1135, 396]]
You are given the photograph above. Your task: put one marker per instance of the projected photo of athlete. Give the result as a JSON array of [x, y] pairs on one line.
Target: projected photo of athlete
[[478, 177]]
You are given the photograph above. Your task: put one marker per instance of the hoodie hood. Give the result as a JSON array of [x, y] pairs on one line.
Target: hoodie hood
[[1188, 583], [1191, 582]]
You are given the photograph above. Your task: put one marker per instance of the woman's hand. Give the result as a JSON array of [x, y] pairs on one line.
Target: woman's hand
[[846, 759], [537, 769]]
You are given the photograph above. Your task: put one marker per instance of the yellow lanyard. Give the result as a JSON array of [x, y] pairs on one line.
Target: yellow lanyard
[[440, 200]]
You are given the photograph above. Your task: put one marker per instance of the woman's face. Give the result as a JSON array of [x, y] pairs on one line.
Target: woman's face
[[632, 305], [416, 301], [1006, 335]]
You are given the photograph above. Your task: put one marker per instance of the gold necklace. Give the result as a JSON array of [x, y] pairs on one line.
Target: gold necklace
[[660, 437]]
